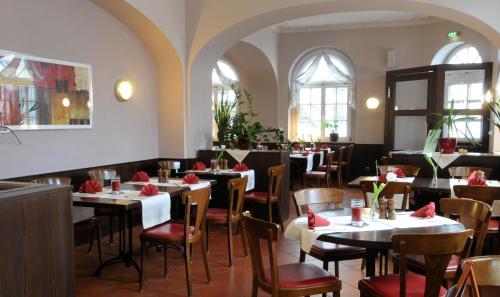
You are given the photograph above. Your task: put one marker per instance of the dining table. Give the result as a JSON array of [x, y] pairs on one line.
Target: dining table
[[127, 209], [374, 236]]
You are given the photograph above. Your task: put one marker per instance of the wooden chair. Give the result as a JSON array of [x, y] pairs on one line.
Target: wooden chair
[[487, 195], [289, 280], [337, 166], [92, 224], [272, 196], [181, 235], [473, 215], [320, 175], [347, 162], [233, 214], [437, 250], [480, 277], [103, 175], [465, 172], [325, 251], [409, 170]]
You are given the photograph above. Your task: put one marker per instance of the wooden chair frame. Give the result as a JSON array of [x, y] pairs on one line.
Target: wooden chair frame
[[101, 175], [465, 171], [409, 170], [391, 189], [318, 175], [477, 272]]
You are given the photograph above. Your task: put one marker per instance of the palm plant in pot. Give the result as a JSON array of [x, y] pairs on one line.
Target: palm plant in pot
[[244, 129], [223, 117], [334, 135]]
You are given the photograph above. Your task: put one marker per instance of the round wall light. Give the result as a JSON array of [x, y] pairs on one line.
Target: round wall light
[[372, 103], [123, 90], [66, 102]]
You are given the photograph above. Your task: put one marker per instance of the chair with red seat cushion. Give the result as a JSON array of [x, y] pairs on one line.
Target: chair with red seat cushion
[[181, 236], [297, 279], [488, 195], [320, 175], [322, 199], [233, 214], [337, 166], [436, 248], [273, 194], [473, 215]]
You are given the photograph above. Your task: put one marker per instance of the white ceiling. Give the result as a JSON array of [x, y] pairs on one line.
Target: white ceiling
[[357, 19]]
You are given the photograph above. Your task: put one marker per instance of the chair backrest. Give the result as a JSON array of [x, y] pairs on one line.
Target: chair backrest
[[340, 154], [236, 187], [350, 149], [480, 277], [197, 200], [329, 163], [409, 170], [308, 198], [102, 174], [53, 180], [166, 164], [437, 250], [482, 193], [275, 174], [391, 189], [472, 214], [465, 171], [257, 231]]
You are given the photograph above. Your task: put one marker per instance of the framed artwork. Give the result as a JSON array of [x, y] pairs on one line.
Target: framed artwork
[[38, 93]]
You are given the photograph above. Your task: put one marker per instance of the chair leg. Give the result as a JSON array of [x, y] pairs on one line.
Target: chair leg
[[339, 176], [111, 241], [99, 254], [337, 269], [91, 243], [230, 242], [363, 264], [255, 287], [205, 260], [302, 257], [165, 266], [278, 205], [141, 272], [395, 266], [207, 229], [187, 263], [243, 237], [386, 263]]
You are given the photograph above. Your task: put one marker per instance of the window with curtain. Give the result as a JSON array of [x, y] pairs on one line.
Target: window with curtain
[[223, 76], [322, 86]]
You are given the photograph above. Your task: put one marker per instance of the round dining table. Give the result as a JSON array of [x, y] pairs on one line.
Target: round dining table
[[376, 241]]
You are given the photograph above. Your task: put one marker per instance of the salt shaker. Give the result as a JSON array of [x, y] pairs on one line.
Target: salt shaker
[[391, 209], [160, 175], [382, 202]]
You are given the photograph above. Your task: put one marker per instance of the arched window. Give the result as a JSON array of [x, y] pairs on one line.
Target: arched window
[[322, 86], [464, 54], [223, 76]]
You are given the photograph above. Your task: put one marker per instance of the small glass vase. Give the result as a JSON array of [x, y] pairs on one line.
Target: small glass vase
[[374, 215], [434, 175]]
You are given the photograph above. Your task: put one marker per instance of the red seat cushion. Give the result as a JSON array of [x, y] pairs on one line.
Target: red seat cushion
[[493, 225], [315, 173], [301, 275], [168, 231], [256, 196], [323, 167], [420, 261], [332, 248], [216, 214], [388, 285]]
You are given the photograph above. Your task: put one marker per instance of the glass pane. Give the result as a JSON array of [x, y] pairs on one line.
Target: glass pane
[[410, 132], [305, 96], [465, 55], [330, 95], [305, 112], [316, 112], [330, 111], [475, 96], [315, 130], [458, 94], [467, 125], [342, 95], [465, 87], [316, 96], [227, 70], [342, 130], [342, 112], [411, 95]]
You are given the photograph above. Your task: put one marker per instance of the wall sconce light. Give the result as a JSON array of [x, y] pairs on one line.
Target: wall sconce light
[[372, 103], [123, 90], [66, 102]]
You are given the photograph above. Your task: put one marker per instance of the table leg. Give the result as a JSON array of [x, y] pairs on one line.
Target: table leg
[[371, 256]]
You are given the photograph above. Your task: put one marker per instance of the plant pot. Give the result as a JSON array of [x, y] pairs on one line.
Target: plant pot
[[447, 145], [334, 137]]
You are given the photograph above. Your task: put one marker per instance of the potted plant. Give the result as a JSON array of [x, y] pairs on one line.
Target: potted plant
[[334, 136], [494, 107], [223, 118], [244, 130]]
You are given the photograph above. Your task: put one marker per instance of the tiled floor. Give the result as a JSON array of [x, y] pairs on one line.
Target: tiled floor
[[236, 281]]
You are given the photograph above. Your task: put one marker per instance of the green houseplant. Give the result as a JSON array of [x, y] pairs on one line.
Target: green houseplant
[[334, 135], [223, 117], [494, 108], [244, 130]]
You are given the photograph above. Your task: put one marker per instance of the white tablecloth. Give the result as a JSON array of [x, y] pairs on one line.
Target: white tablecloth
[[308, 157], [173, 182], [155, 209], [249, 173], [298, 229]]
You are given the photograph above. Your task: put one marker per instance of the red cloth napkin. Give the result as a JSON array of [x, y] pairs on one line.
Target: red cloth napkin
[[399, 172], [428, 211], [140, 176], [91, 186], [324, 146], [314, 220], [149, 190], [240, 167], [296, 146], [190, 178], [476, 179], [383, 177], [306, 153], [199, 166]]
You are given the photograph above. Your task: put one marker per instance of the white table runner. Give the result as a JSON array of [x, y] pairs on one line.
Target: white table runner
[[298, 229], [155, 209], [308, 157], [443, 160], [172, 182], [238, 155]]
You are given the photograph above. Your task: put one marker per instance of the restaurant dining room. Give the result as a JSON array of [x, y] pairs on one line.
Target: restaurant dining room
[[244, 148]]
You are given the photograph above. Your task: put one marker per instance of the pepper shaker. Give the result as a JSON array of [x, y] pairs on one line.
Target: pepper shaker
[[160, 175], [391, 210], [382, 202]]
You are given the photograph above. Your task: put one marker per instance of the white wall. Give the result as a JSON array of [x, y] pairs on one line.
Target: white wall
[[415, 46], [80, 31]]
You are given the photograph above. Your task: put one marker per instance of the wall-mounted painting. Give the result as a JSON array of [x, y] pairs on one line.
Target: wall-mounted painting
[[38, 93]]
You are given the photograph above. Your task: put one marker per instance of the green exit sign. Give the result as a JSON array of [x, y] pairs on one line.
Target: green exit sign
[[453, 34]]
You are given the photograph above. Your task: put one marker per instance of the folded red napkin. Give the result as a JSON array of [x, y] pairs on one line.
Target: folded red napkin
[[296, 146], [91, 186], [240, 167], [399, 172], [190, 178], [324, 146], [140, 176], [476, 178], [199, 166], [306, 153], [314, 220], [428, 211], [149, 190]]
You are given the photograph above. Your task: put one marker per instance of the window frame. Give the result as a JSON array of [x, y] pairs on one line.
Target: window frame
[[216, 87], [458, 48]]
